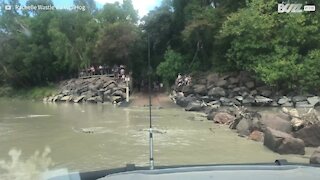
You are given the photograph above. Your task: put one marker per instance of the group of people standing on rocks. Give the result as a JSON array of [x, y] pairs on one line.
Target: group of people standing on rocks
[[119, 72], [183, 80]]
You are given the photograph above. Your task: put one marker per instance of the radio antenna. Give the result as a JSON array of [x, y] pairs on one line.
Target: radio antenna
[[150, 120]]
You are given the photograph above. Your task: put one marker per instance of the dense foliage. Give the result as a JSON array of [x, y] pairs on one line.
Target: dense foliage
[[282, 50]]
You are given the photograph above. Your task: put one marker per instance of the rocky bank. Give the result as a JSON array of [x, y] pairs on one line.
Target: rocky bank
[[238, 89], [225, 99], [92, 90]]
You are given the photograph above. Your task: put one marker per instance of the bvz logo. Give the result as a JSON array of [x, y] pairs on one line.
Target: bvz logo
[[288, 8]]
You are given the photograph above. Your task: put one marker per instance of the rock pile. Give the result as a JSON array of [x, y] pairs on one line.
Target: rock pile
[[279, 132], [92, 90], [237, 89]]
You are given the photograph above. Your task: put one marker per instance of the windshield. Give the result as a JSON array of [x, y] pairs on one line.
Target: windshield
[[89, 85]]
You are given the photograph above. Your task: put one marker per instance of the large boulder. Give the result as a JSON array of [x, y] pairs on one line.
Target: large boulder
[[212, 78], [223, 118], [256, 136], [303, 104], [208, 110], [110, 84], [266, 92], [315, 157], [298, 99], [217, 92], [283, 143], [200, 89], [275, 122], [187, 90], [314, 101], [239, 98], [244, 127], [107, 92], [206, 98], [249, 84], [248, 100], [211, 115], [93, 88], [194, 106], [221, 83], [283, 100], [184, 101], [66, 98], [82, 89], [253, 92], [116, 99], [78, 99], [226, 101], [262, 101], [92, 100], [90, 94], [233, 80], [66, 92], [119, 93], [310, 135], [57, 98], [288, 104]]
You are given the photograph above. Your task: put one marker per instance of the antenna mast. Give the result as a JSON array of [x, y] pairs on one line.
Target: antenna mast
[[150, 122]]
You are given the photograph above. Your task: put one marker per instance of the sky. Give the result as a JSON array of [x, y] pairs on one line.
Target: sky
[[143, 6]]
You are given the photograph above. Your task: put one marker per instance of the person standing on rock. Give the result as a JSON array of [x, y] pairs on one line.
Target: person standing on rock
[[188, 80], [88, 71], [106, 69], [93, 71], [115, 70], [101, 70], [122, 72], [179, 80]]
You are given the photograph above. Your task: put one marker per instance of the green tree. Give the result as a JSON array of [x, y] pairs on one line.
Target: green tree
[[115, 44], [172, 65], [269, 44]]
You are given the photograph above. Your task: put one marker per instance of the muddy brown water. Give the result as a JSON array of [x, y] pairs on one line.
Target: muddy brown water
[[86, 137]]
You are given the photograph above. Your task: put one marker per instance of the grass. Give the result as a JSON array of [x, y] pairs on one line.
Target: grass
[[34, 93]]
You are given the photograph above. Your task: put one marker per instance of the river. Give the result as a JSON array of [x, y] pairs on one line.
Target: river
[[91, 137]]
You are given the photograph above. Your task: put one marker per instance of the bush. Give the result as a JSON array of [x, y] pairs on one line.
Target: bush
[[171, 66]]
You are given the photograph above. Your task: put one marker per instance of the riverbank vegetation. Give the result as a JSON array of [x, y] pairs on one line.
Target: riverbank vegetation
[[187, 36], [34, 93]]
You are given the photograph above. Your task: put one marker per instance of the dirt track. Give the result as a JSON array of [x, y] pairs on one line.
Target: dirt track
[[157, 100]]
